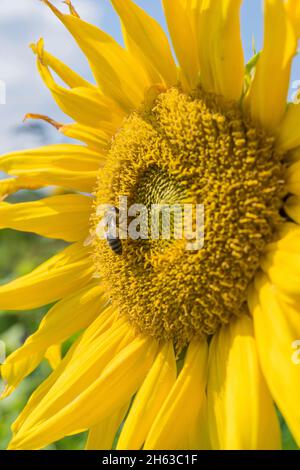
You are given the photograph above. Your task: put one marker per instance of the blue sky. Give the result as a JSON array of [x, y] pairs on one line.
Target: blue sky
[[25, 21]]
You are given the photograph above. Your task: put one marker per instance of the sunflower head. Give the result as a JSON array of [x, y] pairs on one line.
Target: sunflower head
[[196, 148]]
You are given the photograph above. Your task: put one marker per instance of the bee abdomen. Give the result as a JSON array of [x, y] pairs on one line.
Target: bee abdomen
[[115, 245]]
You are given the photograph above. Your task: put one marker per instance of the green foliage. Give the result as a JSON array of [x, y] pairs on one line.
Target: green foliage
[[288, 442], [249, 72]]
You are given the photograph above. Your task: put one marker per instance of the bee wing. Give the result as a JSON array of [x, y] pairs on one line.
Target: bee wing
[[90, 238]]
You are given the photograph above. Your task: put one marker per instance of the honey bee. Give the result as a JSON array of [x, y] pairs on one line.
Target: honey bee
[[113, 241]]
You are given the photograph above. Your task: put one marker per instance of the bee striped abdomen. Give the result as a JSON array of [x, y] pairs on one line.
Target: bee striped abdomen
[[115, 245]]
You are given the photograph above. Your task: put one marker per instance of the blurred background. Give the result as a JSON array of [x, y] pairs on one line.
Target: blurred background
[[21, 23]]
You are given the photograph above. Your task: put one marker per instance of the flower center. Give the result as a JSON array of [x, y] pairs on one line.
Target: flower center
[[196, 149]]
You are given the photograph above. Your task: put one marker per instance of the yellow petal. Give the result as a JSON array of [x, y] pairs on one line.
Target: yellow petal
[[95, 138], [205, 14], [70, 315], [288, 239], [79, 368], [293, 11], [67, 317], [71, 78], [64, 217], [9, 186], [83, 369], [146, 37], [61, 275], [241, 413], [281, 259], [283, 269], [288, 130], [119, 75], [82, 104], [277, 327], [102, 324], [293, 178], [192, 7], [269, 90], [181, 408], [111, 390], [53, 355], [198, 437], [220, 47], [292, 208], [71, 166], [149, 399], [101, 436], [184, 41]]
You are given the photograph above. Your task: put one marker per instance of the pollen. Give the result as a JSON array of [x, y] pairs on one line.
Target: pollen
[[199, 149]]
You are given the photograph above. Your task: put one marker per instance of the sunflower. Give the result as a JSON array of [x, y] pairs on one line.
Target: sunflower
[[175, 349]]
